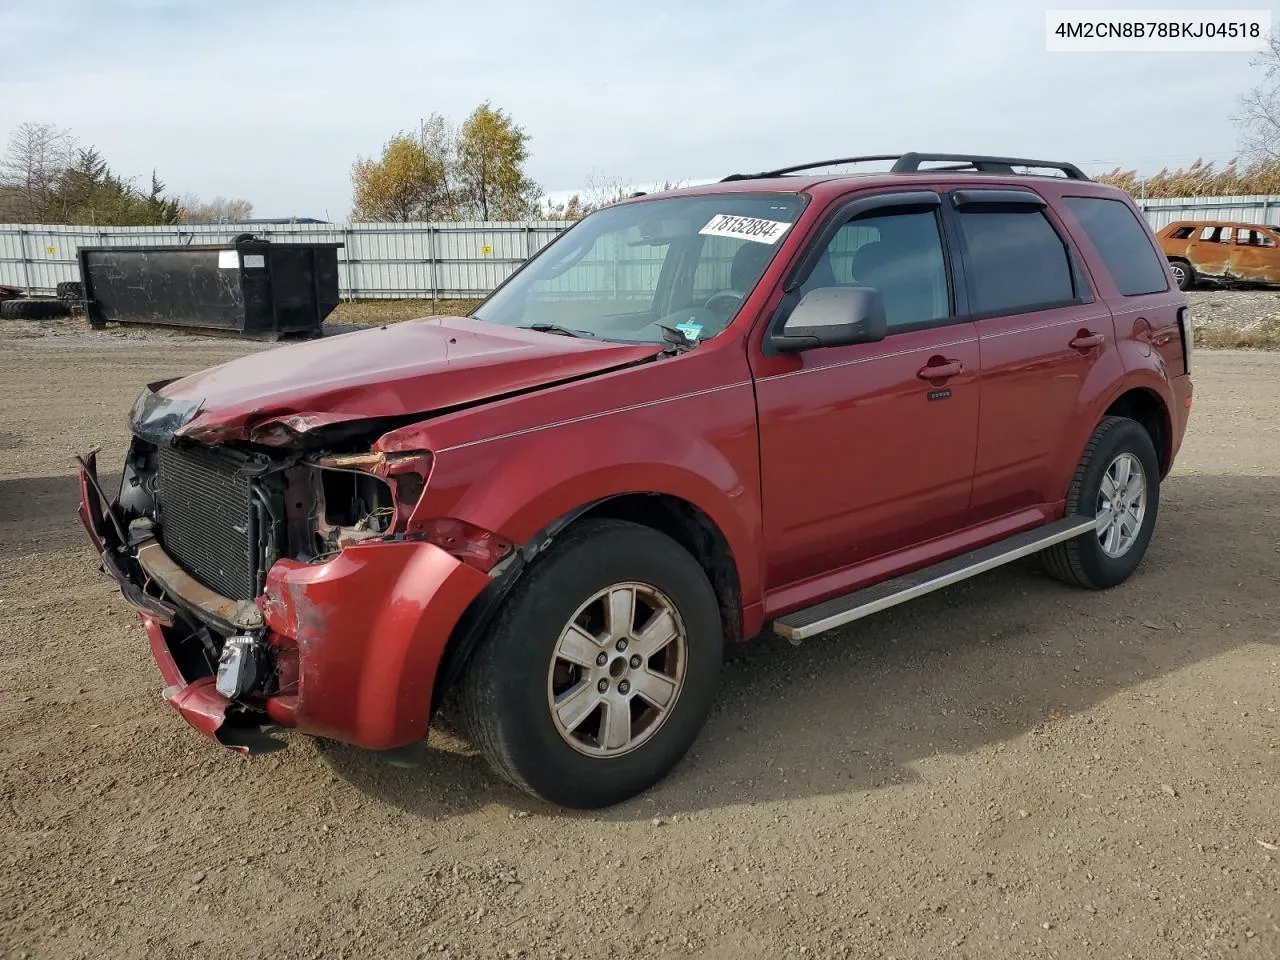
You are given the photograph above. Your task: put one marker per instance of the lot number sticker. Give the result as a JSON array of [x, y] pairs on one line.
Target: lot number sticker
[[744, 228]]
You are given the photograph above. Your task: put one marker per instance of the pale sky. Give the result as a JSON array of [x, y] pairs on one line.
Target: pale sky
[[271, 100]]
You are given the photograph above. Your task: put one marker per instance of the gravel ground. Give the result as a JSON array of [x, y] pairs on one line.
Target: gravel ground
[[1236, 318], [1009, 768]]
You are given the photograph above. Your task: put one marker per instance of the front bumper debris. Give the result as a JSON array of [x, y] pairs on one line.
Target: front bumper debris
[[353, 642]]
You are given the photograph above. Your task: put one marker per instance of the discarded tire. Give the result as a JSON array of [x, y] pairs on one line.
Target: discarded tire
[[71, 290], [34, 309]]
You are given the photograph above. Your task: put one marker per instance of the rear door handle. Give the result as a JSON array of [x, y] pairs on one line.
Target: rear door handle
[[1087, 341], [940, 368]]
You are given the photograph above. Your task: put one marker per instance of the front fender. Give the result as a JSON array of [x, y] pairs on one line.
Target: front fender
[[520, 484]]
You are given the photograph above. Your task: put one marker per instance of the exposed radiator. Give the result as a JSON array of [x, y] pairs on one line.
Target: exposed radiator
[[204, 518]]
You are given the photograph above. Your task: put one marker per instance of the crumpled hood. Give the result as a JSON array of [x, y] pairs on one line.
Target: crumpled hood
[[273, 396]]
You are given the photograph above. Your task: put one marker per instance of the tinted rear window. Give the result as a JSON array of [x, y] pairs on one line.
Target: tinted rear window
[[1122, 242], [1018, 262]]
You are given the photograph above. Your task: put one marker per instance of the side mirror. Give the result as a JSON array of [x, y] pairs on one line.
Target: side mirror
[[833, 317]]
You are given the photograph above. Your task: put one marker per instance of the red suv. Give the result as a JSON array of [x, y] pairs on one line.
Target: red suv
[[781, 402]]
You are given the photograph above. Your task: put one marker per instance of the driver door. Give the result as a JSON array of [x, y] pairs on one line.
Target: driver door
[[863, 452]]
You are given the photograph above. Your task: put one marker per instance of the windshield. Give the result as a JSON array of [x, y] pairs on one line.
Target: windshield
[[625, 272]]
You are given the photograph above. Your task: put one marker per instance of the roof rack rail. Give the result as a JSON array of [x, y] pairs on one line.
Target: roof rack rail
[[910, 163], [781, 171]]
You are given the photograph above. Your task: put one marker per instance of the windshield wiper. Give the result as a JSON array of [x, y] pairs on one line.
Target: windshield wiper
[[556, 328]]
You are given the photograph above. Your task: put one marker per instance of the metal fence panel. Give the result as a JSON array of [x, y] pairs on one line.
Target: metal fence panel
[[378, 260], [1246, 209], [446, 260]]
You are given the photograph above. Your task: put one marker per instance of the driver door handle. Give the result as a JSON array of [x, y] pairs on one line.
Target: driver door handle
[[939, 368], [1087, 340]]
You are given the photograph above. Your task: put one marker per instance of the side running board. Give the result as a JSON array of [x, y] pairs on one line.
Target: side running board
[[889, 593]]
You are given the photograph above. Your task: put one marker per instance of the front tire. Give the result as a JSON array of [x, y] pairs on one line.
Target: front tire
[[600, 668], [1117, 483]]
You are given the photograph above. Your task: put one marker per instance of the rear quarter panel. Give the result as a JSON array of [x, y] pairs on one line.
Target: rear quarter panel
[[1148, 352], [1256, 264]]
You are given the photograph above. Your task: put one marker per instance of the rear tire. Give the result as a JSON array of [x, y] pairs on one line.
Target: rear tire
[[1183, 274], [1117, 483], [568, 652]]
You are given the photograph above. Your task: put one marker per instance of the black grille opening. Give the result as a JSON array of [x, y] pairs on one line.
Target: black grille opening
[[204, 521]]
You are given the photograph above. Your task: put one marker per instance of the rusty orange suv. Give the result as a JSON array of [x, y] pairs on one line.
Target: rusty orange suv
[[1221, 252], [780, 402]]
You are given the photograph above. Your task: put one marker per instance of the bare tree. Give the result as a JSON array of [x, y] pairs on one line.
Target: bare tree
[[217, 210], [439, 140], [601, 190], [32, 166], [1259, 117]]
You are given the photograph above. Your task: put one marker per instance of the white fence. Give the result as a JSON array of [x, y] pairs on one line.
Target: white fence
[[1246, 209], [411, 260]]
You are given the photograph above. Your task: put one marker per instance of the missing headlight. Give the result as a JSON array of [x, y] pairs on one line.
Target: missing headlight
[[331, 509]]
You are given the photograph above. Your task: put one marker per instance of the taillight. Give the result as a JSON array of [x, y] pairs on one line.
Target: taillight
[[465, 541], [1188, 337]]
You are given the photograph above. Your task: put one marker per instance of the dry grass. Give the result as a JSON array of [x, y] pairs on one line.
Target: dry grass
[[1236, 319], [376, 312], [1262, 335], [1199, 180]]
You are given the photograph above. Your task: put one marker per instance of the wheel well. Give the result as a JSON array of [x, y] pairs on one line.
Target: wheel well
[[678, 519], [1148, 410], [693, 530]]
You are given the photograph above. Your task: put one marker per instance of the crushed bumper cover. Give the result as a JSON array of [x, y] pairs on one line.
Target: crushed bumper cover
[[356, 640]]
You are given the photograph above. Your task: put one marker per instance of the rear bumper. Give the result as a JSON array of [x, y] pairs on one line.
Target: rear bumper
[[355, 641], [1183, 393]]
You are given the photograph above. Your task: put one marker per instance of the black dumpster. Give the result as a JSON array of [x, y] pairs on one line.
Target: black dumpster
[[252, 287]]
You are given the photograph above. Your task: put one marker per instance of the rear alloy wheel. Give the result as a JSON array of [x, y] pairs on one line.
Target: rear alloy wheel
[[1122, 504], [1118, 484], [1184, 274], [600, 667]]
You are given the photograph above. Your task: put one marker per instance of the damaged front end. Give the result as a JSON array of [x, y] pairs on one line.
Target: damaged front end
[[280, 584]]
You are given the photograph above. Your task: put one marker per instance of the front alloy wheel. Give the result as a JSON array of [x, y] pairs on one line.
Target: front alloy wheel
[[617, 669]]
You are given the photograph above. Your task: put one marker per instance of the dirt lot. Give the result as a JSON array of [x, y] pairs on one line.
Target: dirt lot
[[1010, 768]]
